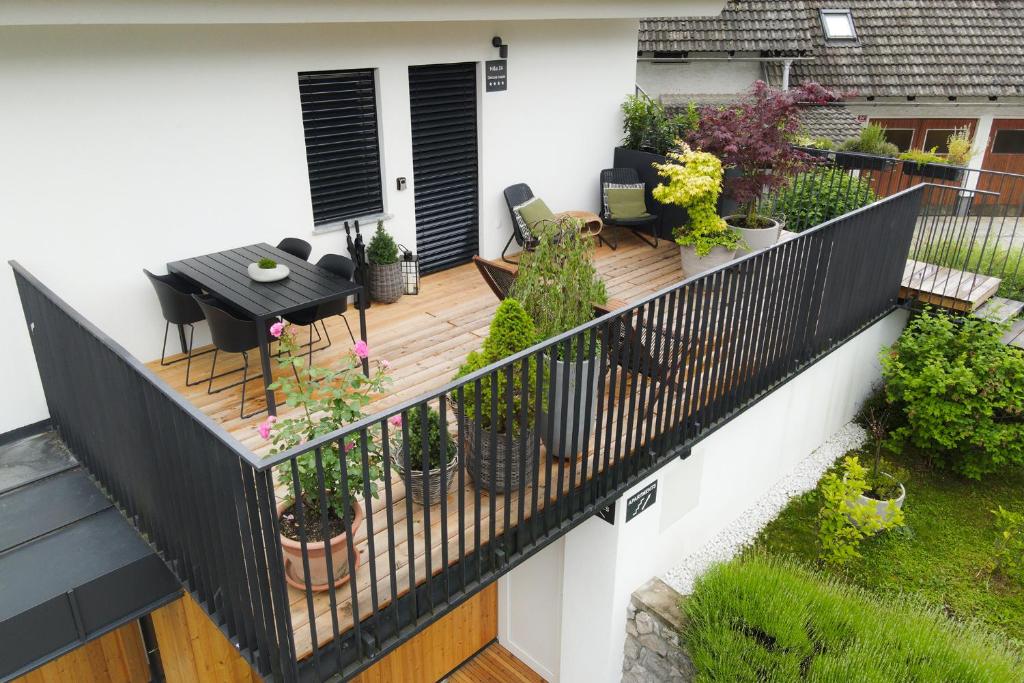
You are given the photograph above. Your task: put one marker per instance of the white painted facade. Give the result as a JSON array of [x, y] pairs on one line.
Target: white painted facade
[[575, 592], [130, 138], [710, 74]]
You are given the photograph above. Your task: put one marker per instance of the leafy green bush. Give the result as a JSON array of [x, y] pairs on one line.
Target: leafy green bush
[[820, 195], [557, 283], [649, 128], [414, 444], [843, 522], [769, 620], [961, 391], [1006, 263], [382, 249], [871, 140], [511, 331], [1009, 555]]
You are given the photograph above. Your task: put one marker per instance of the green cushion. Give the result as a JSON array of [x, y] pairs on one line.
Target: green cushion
[[626, 202], [536, 211]]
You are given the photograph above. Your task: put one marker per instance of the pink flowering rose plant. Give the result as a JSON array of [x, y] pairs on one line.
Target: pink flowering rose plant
[[328, 399]]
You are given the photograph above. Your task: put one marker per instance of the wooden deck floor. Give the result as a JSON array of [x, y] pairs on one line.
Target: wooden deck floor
[[426, 338], [494, 664]]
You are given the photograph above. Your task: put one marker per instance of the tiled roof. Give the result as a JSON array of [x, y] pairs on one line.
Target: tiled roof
[[750, 26], [905, 47], [832, 121]]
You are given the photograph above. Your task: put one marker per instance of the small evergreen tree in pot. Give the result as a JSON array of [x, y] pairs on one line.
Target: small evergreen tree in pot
[[385, 269]]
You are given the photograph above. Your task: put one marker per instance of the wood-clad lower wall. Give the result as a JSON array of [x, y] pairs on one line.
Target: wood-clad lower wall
[[193, 649], [442, 646], [117, 657]]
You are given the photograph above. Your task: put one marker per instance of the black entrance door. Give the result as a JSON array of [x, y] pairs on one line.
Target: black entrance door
[[444, 156]]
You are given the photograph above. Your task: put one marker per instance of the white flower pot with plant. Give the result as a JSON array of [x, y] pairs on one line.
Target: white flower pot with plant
[[268, 270], [754, 136], [884, 491], [410, 447], [499, 445], [328, 399], [694, 183], [559, 286], [385, 270]]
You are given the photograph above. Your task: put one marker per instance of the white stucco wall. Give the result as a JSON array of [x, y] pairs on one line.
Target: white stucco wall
[[697, 77], [584, 586], [130, 146]]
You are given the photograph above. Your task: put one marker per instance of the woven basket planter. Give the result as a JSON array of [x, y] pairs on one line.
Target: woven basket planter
[[414, 480], [507, 459], [386, 282]]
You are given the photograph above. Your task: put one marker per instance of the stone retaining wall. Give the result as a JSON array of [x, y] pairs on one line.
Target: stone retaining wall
[[653, 653]]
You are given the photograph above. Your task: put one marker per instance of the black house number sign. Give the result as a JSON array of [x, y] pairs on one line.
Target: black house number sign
[[641, 500], [497, 75]]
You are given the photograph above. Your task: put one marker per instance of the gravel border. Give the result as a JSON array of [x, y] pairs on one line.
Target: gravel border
[[742, 531]]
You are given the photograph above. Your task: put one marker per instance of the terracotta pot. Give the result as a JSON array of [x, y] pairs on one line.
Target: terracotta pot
[[294, 572]]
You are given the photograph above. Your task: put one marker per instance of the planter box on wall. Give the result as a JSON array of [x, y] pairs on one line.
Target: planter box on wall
[[856, 162], [936, 171]]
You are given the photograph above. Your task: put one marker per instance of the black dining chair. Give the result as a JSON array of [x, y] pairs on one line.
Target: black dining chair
[[179, 309], [231, 335], [339, 266], [296, 247]]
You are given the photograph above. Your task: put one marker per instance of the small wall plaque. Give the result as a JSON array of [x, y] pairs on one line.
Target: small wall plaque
[[497, 74], [607, 513], [641, 500]]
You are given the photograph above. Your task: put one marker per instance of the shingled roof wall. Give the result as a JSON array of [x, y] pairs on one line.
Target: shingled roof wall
[[905, 48]]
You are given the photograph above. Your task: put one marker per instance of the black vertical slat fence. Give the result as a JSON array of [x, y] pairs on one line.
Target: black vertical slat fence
[[668, 371]]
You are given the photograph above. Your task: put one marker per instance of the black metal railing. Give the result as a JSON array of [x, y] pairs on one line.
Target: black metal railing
[[969, 231], [641, 386]]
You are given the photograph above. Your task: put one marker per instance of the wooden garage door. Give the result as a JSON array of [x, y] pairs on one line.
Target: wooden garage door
[[915, 133], [1004, 152]]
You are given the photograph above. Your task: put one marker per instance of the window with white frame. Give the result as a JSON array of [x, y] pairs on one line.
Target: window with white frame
[[838, 24]]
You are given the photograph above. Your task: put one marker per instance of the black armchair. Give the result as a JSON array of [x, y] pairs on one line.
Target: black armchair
[[230, 335], [648, 223], [517, 195], [180, 309], [339, 266], [296, 247]]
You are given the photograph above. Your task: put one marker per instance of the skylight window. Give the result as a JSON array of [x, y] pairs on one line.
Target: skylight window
[[838, 24]]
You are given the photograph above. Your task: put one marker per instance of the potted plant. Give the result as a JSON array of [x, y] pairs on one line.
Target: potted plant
[[507, 434], [753, 136], [930, 164], [385, 278], [884, 484], [328, 399], [695, 182], [410, 447], [818, 146], [648, 134], [267, 270], [869, 151], [558, 286]]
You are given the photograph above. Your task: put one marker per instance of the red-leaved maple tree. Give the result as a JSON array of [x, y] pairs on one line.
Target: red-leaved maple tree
[[752, 135]]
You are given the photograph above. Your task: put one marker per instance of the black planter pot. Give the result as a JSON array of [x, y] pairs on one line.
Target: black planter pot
[[670, 216], [726, 204], [936, 171], [857, 162]]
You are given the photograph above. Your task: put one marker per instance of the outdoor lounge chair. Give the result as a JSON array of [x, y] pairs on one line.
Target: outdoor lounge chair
[[519, 194], [640, 224]]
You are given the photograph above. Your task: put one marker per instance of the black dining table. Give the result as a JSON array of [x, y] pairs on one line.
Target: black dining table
[[225, 275]]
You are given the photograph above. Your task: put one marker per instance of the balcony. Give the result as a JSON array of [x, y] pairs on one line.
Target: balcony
[[673, 361]]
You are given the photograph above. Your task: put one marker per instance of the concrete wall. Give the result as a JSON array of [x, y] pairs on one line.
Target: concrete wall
[[696, 77], [126, 147], [601, 564]]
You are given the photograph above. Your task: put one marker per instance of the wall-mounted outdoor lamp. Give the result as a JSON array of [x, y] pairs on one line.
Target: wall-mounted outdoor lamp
[[502, 47]]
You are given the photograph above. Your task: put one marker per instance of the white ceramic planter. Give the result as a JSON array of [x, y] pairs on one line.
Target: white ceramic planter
[[278, 272], [695, 265], [571, 425], [756, 239], [882, 508]]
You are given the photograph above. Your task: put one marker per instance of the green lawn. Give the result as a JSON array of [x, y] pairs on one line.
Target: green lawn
[[939, 558]]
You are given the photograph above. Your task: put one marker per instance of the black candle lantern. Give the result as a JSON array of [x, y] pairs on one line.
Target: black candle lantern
[[410, 271]]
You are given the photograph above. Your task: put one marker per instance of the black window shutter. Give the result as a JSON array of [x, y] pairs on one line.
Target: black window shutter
[[339, 114]]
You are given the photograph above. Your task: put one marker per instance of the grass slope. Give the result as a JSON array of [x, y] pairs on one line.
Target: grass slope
[[939, 558]]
